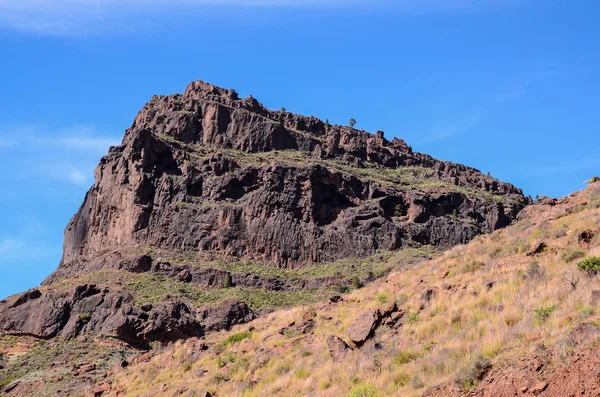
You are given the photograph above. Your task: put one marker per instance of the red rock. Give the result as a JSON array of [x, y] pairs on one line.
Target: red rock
[[539, 388], [338, 349], [361, 328]]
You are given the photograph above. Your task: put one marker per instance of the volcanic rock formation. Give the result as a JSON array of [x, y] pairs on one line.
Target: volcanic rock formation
[[224, 178], [211, 173]]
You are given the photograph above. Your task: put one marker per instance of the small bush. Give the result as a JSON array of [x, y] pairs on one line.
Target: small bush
[[306, 353], [302, 373], [382, 298], [543, 313], [228, 358], [412, 318], [472, 373], [366, 390], [406, 356], [590, 265], [399, 210], [236, 338], [85, 318]]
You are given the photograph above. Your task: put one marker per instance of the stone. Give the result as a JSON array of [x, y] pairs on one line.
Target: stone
[[338, 349], [585, 238], [539, 388], [112, 312], [363, 326]]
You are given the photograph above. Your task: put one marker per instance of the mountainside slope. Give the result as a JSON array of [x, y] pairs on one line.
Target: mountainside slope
[[508, 314], [215, 210]]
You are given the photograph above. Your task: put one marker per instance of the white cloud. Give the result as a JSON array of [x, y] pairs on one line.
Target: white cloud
[[474, 119], [76, 17], [68, 155], [77, 177]]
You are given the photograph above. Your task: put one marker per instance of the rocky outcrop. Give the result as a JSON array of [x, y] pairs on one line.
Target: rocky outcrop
[[222, 176], [338, 349], [366, 323], [111, 311]]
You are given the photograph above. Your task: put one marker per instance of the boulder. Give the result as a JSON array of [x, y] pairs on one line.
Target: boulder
[[363, 326], [338, 349], [112, 311]]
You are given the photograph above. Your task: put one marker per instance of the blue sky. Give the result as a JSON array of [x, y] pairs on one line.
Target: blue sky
[[507, 86]]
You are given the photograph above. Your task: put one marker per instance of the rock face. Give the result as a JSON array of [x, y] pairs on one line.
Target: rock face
[[211, 173], [111, 311]]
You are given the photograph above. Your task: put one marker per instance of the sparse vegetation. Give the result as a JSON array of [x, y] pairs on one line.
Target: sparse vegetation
[[544, 312], [237, 338], [590, 265], [486, 310]]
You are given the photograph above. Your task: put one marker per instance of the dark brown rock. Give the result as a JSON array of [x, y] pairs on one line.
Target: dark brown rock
[[586, 237], [427, 296], [172, 185], [112, 312]]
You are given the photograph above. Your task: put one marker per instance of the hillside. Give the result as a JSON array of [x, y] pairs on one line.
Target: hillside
[[215, 211], [508, 314]]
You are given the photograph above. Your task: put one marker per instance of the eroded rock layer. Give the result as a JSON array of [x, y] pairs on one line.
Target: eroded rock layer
[[209, 172]]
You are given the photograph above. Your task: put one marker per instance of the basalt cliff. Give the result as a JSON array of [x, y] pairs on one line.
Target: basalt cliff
[[215, 209], [224, 177]]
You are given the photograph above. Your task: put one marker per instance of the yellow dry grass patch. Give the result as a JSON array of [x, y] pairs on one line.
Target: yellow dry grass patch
[[493, 301]]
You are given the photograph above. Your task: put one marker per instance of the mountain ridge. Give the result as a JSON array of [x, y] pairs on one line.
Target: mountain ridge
[[215, 210]]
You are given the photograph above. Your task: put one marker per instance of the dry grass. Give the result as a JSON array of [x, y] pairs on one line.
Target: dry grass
[[494, 303]]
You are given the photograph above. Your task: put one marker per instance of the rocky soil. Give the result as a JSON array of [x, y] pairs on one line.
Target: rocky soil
[[497, 317]]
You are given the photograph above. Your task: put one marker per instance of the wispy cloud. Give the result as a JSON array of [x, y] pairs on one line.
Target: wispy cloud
[[457, 127], [69, 154], [75, 17]]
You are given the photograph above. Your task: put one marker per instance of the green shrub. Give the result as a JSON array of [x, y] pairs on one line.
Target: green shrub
[[236, 338], [228, 358], [382, 298], [412, 318], [590, 265], [366, 390], [543, 313], [302, 373], [85, 318], [399, 210]]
